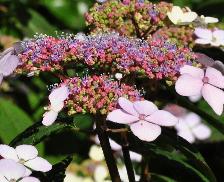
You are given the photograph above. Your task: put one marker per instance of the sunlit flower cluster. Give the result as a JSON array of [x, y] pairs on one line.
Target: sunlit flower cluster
[[155, 58], [97, 94], [127, 16]]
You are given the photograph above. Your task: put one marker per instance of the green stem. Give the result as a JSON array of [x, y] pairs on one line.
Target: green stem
[[127, 159], [107, 151]]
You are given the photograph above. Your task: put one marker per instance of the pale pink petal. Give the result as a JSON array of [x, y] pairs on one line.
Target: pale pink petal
[[187, 85], [3, 179], [202, 41], [115, 146], [195, 98], [29, 179], [59, 94], [8, 64], [187, 135], [203, 33], [219, 34], [215, 77], [181, 125], [49, 118], [8, 152], [201, 132], [192, 119], [214, 97], [28, 172], [162, 118], [192, 71], [57, 106], [39, 164], [127, 106], [11, 169], [145, 131], [145, 107], [26, 152], [118, 116]]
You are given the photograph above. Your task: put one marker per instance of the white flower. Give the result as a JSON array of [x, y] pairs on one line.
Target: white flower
[[57, 98], [191, 128], [208, 19], [124, 176], [72, 177], [11, 171], [177, 16], [100, 173], [82, 7], [96, 153], [26, 155], [118, 76], [8, 63]]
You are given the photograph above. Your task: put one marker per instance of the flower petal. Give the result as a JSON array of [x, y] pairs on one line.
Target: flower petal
[[175, 15], [209, 19], [162, 118], [219, 35], [203, 33], [195, 98], [57, 106], [49, 118], [181, 125], [145, 107], [1, 78], [118, 116], [59, 94], [11, 169], [202, 132], [192, 119], [29, 179], [8, 63], [192, 71], [187, 135], [39, 164], [204, 59], [28, 172], [127, 106], [26, 152], [214, 97], [187, 85], [189, 17], [215, 77], [8, 152], [145, 131], [203, 41]]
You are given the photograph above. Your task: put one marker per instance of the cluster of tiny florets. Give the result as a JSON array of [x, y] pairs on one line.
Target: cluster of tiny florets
[[125, 17], [106, 53], [97, 94], [182, 35]]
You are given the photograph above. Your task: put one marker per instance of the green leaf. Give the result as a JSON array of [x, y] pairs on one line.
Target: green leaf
[[37, 132], [173, 148], [13, 120], [161, 178]]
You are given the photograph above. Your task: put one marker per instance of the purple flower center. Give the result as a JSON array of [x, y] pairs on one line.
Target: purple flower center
[[142, 117], [205, 79]]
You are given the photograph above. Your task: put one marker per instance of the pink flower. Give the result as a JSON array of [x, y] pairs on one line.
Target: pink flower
[[206, 36], [191, 128], [57, 98], [12, 171], [27, 156], [194, 81], [143, 117], [8, 63]]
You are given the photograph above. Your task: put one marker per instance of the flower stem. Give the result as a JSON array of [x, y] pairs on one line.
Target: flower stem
[[145, 175], [127, 159], [107, 151]]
